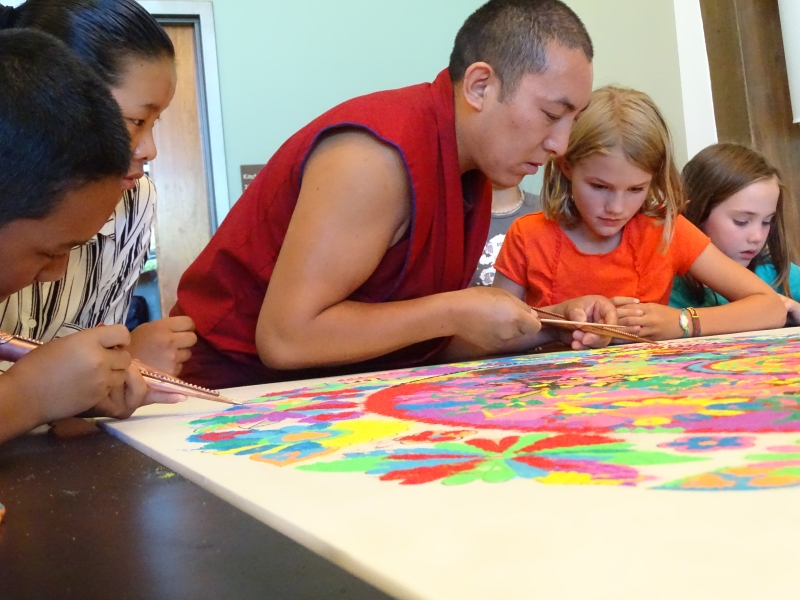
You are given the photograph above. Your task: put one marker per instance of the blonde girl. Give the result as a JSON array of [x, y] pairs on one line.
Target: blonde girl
[[737, 199], [611, 225]]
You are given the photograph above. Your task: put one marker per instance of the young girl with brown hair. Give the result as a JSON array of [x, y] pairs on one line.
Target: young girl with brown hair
[[736, 198]]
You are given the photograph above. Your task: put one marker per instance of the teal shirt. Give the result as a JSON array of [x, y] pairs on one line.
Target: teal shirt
[[680, 293]]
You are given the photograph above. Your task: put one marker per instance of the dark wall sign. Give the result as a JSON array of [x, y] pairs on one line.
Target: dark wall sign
[[249, 173]]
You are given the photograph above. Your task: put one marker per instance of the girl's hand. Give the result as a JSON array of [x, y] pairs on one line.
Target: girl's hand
[[792, 310], [620, 301], [590, 309], [650, 320]]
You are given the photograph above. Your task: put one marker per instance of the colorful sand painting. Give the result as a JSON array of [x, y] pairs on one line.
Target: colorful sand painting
[[711, 414]]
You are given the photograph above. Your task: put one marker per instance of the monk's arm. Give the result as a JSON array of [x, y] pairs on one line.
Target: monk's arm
[[354, 204]]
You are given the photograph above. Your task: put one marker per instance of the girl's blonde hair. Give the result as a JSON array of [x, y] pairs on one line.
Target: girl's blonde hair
[[629, 120], [718, 172]]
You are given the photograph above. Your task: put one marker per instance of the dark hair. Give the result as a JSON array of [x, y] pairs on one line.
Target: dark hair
[[512, 36], [60, 128], [104, 33], [715, 174], [7, 15]]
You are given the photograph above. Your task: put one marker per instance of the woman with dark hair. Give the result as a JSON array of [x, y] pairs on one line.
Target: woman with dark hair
[[135, 58]]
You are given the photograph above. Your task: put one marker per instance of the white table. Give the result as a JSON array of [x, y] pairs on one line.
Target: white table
[[518, 539]]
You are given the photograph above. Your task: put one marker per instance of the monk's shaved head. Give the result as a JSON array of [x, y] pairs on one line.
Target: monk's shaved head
[[513, 35]]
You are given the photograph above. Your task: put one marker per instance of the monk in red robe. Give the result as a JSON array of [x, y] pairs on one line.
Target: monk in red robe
[[353, 248]]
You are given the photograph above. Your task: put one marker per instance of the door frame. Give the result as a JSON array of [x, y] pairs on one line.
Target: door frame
[[209, 90], [698, 104]]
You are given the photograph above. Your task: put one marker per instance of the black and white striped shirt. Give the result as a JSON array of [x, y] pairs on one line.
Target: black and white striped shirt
[[100, 279]]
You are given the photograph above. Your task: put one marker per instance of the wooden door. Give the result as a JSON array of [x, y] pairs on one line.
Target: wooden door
[[183, 217]]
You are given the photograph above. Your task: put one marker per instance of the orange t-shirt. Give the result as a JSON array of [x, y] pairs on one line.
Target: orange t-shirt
[[539, 256]]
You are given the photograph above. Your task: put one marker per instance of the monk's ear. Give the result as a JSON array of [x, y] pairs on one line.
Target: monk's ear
[[564, 166], [479, 82]]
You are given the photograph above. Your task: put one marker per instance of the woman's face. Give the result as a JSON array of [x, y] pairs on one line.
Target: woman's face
[[145, 91]]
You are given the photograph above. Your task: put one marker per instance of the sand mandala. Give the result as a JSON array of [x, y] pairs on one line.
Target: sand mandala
[[708, 414]]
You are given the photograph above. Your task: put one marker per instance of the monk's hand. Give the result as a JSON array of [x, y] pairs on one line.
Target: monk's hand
[[496, 321], [651, 320], [589, 309]]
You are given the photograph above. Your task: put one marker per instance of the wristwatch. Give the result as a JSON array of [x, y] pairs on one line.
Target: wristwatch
[[684, 321]]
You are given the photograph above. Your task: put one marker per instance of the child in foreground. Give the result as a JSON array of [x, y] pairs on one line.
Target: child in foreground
[[736, 198], [64, 152], [611, 225]]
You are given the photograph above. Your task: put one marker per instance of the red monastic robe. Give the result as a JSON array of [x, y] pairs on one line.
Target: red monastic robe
[[223, 290]]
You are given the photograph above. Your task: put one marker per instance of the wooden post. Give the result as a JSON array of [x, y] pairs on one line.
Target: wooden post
[[751, 90]]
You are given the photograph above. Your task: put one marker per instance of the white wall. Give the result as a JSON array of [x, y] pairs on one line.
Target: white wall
[[283, 63]]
